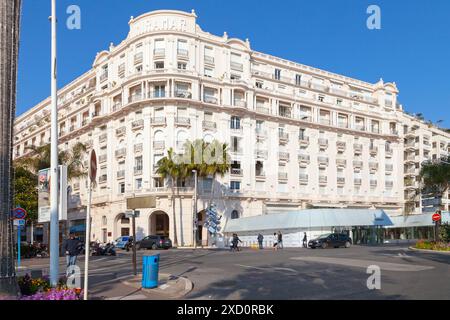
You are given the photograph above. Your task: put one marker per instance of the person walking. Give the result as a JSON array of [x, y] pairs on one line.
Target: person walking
[[280, 240], [236, 241], [72, 248], [305, 241], [260, 241], [275, 241]]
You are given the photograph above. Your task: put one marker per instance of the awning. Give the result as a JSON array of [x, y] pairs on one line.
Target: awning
[[417, 220], [314, 218]]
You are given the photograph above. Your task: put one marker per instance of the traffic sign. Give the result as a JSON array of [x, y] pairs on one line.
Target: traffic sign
[[93, 166], [19, 222], [19, 213], [436, 217]]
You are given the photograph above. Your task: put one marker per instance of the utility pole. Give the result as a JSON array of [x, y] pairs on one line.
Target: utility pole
[[195, 222], [54, 216], [9, 48]]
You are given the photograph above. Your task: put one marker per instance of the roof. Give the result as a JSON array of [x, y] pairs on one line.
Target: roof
[[417, 220], [314, 218]]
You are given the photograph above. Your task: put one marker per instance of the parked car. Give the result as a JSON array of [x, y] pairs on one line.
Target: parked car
[[331, 240], [154, 243], [122, 242]]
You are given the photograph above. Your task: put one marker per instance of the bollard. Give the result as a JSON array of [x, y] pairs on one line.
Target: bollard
[[150, 272]]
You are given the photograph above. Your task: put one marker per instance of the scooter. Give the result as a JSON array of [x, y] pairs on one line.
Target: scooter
[[104, 250]]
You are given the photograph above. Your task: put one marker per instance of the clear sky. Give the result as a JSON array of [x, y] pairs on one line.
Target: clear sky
[[412, 48]]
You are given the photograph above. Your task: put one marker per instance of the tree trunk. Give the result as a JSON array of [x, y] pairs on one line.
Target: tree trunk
[[175, 237], [9, 44]]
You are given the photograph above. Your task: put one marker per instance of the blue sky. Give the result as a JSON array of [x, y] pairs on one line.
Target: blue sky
[[412, 48]]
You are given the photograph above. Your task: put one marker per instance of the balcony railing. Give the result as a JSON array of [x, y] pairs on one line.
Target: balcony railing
[[102, 158], [236, 66], [389, 184], [341, 145], [159, 145], [182, 121], [283, 156], [121, 152], [282, 175], [121, 131], [373, 149], [389, 167], [236, 172], [340, 180], [210, 99], [139, 147], [341, 162], [303, 177], [322, 160], [209, 59], [304, 141], [117, 106], [159, 52], [238, 131], [158, 120], [373, 165], [240, 103], [120, 174], [135, 97], [357, 181], [323, 179], [325, 121], [210, 125], [103, 178], [357, 164], [283, 136], [157, 94], [357, 147], [183, 94], [261, 154], [138, 170], [103, 137], [183, 53], [323, 142], [262, 109], [360, 127], [304, 158], [373, 183], [137, 124]]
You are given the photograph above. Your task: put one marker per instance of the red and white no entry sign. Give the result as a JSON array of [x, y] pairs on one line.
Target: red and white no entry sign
[[436, 217]]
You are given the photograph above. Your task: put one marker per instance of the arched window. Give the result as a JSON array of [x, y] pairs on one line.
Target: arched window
[[235, 122], [139, 138], [159, 136], [234, 214], [208, 138]]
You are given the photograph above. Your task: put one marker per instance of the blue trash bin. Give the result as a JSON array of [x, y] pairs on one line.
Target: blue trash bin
[[150, 272]]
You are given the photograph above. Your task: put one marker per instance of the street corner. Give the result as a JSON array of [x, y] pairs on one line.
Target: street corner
[[169, 287]]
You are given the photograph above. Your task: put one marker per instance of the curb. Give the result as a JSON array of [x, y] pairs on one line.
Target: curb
[[429, 251], [187, 285]]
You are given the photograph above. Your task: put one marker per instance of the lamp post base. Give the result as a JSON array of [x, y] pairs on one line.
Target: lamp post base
[[9, 289]]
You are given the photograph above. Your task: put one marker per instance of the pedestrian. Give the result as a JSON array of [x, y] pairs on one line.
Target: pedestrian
[[305, 241], [230, 242], [275, 241], [280, 240], [72, 248], [236, 241], [260, 241]]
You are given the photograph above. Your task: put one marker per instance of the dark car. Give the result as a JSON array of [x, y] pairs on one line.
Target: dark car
[[331, 240], [154, 243]]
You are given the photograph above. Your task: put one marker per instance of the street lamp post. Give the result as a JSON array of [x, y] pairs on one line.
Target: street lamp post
[[54, 217], [195, 222]]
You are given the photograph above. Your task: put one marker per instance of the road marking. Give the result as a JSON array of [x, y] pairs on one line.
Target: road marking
[[365, 263], [267, 268], [135, 297]]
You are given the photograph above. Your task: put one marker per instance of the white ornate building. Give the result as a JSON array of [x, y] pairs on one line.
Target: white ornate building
[[299, 137]]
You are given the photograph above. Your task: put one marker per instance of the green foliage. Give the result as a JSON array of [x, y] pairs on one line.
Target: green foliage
[[430, 245], [25, 192], [444, 232], [435, 176]]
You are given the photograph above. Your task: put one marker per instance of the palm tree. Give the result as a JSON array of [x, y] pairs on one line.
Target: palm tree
[[39, 159], [169, 168], [435, 177], [9, 47]]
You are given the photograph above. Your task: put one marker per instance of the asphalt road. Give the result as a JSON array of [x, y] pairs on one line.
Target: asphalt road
[[288, 273]]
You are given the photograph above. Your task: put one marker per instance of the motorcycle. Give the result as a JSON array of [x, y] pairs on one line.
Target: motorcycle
[[103, 250]]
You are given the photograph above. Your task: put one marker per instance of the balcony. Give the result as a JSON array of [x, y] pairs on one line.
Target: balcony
[[158, 121], [282, 176], [183, 53], [72, 128], [357, 164], [103, 77], [285, 114], [102, 158], [375, 130], [183, 94], [373, 166], [357, 181], [343, 124], [341, 146], [209, 60], [121, 174], [389, 184], [103, 138], [84, 122], [325, 121], [323, 179], [240, 103], [322, 161], [323, 143], [389, 167], [360, 127], [88, 144], [373, 150], [121, 153], [236, 151], [304, 158], [283, 137], [389, 152], [342, 163], [262, 109], [210, 99], [209, 125], [320, 87], [237, 131], [306, 117], [303, 141], [357, 147], [261, 154], [340, 180], [159, 53], [303, 177], [261, 133], [260, 175], [373, 183], [283, 156], [236, 66], [138, 58], [410, 145], [135, 97], [159, 145], [158, 94], [121, 131], [138, 170], [103, 179], [138, 148], [236, 172], [117, 106], [138, 124], [182, 121]]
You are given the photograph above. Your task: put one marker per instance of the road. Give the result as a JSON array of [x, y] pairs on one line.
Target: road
[[288, 273]]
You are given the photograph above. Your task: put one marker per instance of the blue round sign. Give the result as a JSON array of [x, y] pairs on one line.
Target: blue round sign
[[19, 213]]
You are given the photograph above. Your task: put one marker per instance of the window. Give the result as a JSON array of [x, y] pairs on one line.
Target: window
[[235, 185], [277, 74], [122, 187], [234, 214], [138, 69], [138, 163], [159, 47], [298, 79], [235, 122], [182, 48], [209, 72], [160, 91], [138, 184], [321, 98], [159, 65], [182, 66], [259, 84]]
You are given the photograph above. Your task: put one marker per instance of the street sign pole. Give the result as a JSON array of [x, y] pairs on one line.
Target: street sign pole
[[18, 245], [134, 243], [195, 222], [54, 216]]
